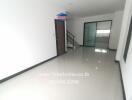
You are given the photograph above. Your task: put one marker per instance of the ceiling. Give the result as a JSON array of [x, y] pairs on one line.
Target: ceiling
[[82, 8]]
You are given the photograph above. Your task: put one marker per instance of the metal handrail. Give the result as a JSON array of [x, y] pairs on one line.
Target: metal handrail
[[71, 37], [69, 33]]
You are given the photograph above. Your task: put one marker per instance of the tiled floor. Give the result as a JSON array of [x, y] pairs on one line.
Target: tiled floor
[[82, 74]]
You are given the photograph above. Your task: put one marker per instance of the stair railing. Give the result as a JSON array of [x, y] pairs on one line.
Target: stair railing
[[71, 39]]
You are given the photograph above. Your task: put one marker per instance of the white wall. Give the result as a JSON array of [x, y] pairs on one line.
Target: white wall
[[76, 26], [27, 34], [124, 30], [116, 29], [126, 67]]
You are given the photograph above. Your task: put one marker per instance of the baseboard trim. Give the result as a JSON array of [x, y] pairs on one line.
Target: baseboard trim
[[112, 49], [25, 70], [81, 45], [122, 83]]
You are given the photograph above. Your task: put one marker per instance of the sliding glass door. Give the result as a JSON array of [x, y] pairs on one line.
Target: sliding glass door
[[103, 34], [89, 34], [97, 34]]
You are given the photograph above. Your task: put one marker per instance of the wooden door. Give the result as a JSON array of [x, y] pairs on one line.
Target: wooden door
[[60, 36]]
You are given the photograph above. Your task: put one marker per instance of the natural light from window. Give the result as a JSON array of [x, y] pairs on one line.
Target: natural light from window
[[103, 31]]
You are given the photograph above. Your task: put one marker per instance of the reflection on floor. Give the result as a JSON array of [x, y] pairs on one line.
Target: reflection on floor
[[101, 50], [83, 74]]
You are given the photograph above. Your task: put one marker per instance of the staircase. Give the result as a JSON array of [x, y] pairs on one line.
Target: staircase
[[71, 42]]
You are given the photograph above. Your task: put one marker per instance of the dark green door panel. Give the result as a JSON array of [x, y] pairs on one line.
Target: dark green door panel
[[90, 34]]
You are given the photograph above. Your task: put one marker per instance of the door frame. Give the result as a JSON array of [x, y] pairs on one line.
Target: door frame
[[96, 29], [127, 44], [56, 35]]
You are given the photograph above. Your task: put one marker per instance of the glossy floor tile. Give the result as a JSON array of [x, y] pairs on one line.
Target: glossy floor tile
[[83, 74]]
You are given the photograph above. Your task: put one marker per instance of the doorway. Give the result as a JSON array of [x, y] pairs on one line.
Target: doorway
[[60, 36], [97, 34]]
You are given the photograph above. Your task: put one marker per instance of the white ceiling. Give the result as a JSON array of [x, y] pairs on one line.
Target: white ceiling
[[82, 8]]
